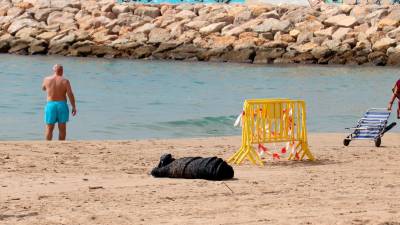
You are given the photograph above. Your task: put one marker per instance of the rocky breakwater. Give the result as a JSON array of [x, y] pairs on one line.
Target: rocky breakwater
[[261, 34]]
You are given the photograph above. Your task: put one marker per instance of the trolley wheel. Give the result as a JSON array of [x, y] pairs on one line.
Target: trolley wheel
[[346, 142], [378, 142]]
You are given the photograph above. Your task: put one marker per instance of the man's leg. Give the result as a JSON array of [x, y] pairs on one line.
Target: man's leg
[[49, 131], [62, 131]]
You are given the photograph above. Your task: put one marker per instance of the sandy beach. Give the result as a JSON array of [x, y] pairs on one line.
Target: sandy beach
[[108, 182]]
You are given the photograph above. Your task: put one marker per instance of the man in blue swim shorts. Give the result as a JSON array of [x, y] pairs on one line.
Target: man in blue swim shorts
[[56, 110]]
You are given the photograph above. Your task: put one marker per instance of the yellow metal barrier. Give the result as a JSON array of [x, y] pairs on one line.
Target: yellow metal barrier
[[272, 121]]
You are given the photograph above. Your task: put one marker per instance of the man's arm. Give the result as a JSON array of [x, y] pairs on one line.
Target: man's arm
[[71, 98], [394, 96], [44, 85]]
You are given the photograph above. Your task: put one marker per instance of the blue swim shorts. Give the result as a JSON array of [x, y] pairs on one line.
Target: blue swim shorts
[[56, 112]]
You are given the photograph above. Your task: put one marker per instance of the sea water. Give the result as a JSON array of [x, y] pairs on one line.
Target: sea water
[[136, 99]]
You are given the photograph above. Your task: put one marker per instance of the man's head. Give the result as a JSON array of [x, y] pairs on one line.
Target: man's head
[[58, 69]]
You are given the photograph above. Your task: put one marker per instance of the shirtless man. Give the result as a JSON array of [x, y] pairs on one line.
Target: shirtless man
[[396, 94], [56, 110]]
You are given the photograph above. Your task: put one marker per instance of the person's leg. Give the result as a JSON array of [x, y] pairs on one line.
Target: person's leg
[[49, 131], [398, 110], [62, 131], [63, 116]]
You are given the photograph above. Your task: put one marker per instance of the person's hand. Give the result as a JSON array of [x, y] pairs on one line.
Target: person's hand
[[73, 111], [389, 108]]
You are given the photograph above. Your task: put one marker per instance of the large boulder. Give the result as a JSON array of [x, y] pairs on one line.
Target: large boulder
[[246, 42], [62, 39], [217, 42], [326, 33], [239, 56], [188, 36], [341, 20], [19, 47], [15, 12], [159, 35], [196, 25], [185, 14], [215, 27], [146, 28], [5, 43], [149, 11], [359, 12], [47, 35], [309, 26], [64, 19], [19, 24], [341, 33], [377, 58], [273, 25], [267, 55], [243, 16], [118, 9], [321, 52], [27, 33], [221, 17], [43, 13], [383, 44], [392, 19], [37, 47], [103, 36]]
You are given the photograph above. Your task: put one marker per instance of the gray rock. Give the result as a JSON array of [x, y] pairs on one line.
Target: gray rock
[[185, 52], [196, 25], [332, 45], [383, 44], [19, 47], [66, 20], [37, 47], [243, 17], [221, 17], [272, 14], [185, 14], [267, 55], [42, 14], [273, 25], [15, 12], [146, 28], [5, 43], [19, 24], [341, 20], [327, 33], [304, 37], [215, 27], [239, 56], [118, 9], [159, 35], [394, 59], [340, 34], [149, 11], [378, 58], [321, 52], [309, 26]]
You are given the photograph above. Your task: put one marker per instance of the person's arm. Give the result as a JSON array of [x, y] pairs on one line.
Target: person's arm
[[394, 96], [71, 98], [44, 85]]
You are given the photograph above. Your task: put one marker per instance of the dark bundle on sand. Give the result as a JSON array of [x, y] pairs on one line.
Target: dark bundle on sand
[[212, 168]]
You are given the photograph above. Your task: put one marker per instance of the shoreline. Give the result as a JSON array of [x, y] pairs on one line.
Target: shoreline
[[259, 34], [108, 182]]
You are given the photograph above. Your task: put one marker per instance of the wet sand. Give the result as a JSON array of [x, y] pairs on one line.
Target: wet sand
[[108, 182]]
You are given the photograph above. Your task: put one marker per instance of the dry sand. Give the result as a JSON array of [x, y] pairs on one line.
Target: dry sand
[[108, 182]]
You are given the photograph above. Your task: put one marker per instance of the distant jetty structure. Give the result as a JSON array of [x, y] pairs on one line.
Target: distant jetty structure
[[252, 31]]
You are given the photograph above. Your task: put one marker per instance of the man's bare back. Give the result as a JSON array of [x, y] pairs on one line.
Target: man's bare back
[[56, 111], [56, 88]]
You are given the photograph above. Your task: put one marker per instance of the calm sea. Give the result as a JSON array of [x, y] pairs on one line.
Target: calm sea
[[127, 99]]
